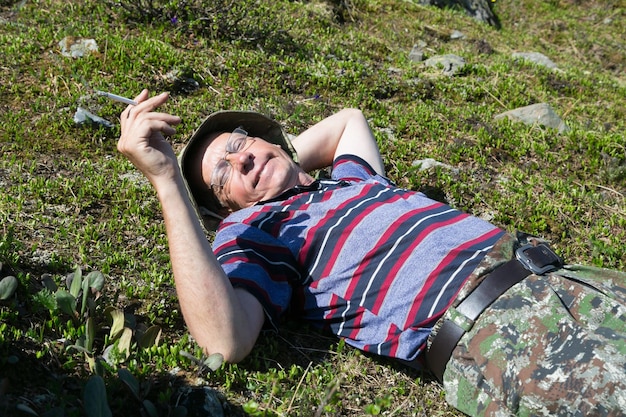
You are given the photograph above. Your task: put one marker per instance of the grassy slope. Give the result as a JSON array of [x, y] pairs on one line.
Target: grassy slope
[[69, 199]]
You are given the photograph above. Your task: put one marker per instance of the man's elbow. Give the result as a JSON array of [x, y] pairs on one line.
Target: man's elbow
[[236, 355], [233, 352], [233, 337], [352, 113]]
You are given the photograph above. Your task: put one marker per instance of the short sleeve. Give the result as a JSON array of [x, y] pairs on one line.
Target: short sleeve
[[355, 169], [258, 262]]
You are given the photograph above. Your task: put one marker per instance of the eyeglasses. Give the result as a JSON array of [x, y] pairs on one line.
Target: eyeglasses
[[235, 143]]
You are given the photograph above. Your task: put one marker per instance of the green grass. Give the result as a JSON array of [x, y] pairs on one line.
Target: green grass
[[69, 199]]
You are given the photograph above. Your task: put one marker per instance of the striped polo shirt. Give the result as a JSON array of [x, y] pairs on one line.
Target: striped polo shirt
[[375, 264]]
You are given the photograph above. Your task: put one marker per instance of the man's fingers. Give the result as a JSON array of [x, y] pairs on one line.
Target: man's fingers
[[167, 130], [139, 99], [144, 104], [151, 103], [142, 96], [150, 125], [166, 117]]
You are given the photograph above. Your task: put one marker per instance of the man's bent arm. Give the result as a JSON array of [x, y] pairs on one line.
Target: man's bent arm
[[220, 318], [344, 133]]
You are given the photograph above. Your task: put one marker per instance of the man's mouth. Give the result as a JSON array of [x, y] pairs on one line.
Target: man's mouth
[[261, 173]]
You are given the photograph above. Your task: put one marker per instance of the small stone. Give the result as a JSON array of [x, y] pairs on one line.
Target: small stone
[[416, 54], [77, 47], [457, 35], [535, 57], [540, 113], [451, 64], [429, 163]]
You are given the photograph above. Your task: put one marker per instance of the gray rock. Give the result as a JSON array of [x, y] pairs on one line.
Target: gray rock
[[540, 113], [457, 35], [416, 54], [77, 48], [535, 57], [429, 163], [451, 64]]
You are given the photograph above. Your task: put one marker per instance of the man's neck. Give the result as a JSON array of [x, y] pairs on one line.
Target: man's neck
[[305, 179]]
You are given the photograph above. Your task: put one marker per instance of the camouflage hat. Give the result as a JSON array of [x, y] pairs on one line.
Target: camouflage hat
[[206, 203]]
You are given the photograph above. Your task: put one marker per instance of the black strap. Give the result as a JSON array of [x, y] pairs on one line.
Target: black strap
[[493, 286]]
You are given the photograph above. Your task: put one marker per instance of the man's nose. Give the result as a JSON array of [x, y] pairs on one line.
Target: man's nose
[[240, 161]]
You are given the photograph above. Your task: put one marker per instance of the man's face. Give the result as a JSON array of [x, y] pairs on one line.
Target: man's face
[[259, 171]]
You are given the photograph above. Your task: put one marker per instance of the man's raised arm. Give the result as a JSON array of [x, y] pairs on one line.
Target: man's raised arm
[[220, 318], [344, 133]]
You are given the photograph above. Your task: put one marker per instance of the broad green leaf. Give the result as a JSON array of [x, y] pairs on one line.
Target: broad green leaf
[[123, 345], [66, 302], [95, 398], [83, 304], [76, 282], [117, 325], [129, 379], [8, 285], [150, 409], [79, 348], [90, 334], [130, 320], [96, 280], [214, 361], [26, 409], [97, 368], [48, 282], [150, 337], [91, 305], [81, 341]]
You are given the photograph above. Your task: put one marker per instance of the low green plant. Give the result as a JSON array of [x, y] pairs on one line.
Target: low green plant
[[205, 364], [8, 285], [221, 19], [68, 197], [140, 392], [95, 398], [80, 300]]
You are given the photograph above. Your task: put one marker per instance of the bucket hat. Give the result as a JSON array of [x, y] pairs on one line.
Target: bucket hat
[[205, 202]]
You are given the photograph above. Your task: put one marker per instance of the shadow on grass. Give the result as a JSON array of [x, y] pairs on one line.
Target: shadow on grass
[[44, 387], [301, 344]]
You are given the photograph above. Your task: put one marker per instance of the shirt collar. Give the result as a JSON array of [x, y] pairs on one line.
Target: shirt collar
[[317, 185]]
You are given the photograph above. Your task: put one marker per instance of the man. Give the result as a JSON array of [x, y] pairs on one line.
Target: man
[[387, 269]]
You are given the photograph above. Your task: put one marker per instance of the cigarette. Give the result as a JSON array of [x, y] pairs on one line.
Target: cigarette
[[115, 97]]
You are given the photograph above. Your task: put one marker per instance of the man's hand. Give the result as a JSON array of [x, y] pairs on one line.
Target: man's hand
[[143, 141]]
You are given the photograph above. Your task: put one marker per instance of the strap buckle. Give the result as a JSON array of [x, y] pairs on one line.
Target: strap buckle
[[538, 259]]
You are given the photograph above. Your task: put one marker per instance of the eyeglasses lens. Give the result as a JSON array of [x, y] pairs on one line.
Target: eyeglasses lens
[[235, 143]]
